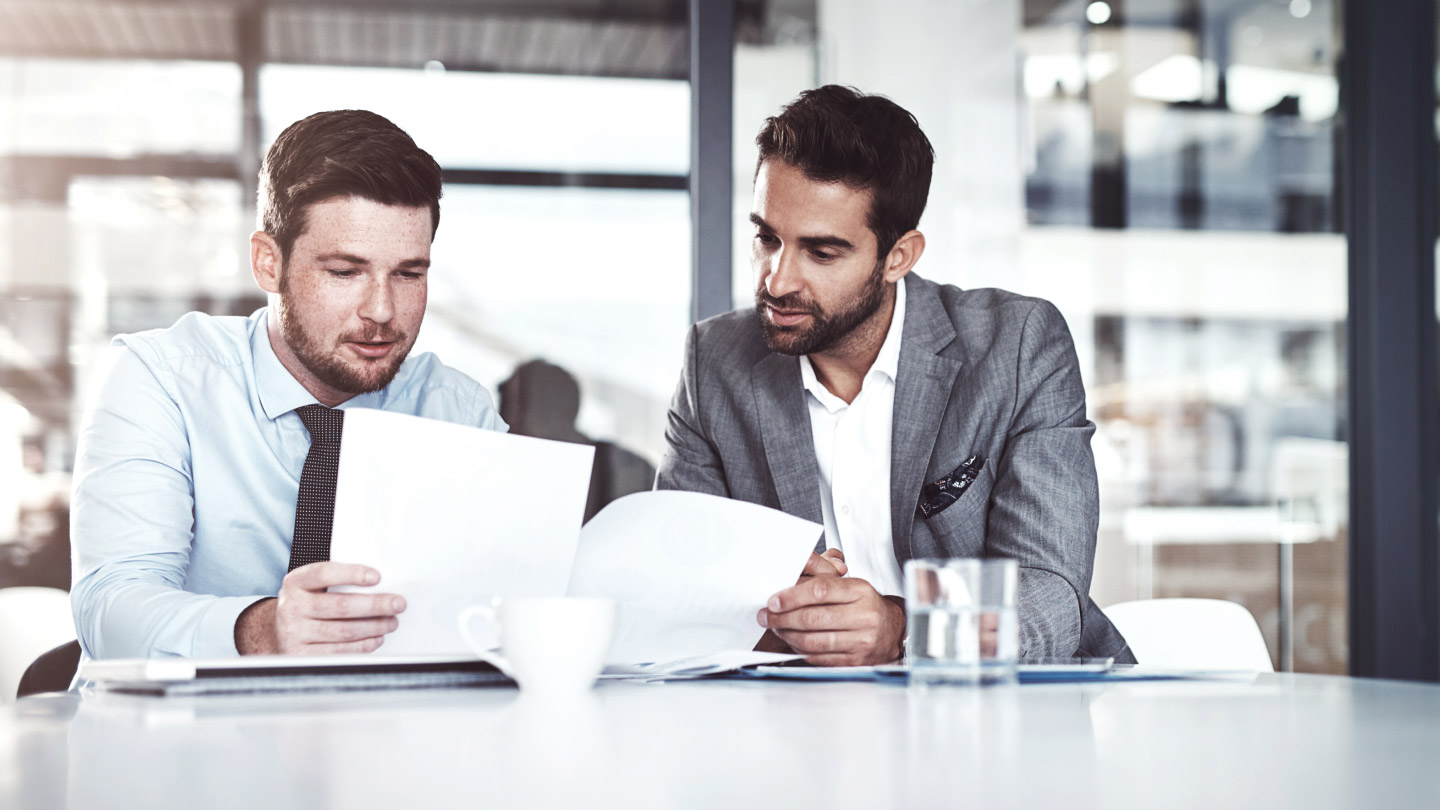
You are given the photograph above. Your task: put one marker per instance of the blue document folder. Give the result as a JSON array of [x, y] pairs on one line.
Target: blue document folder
[[1081, 672]]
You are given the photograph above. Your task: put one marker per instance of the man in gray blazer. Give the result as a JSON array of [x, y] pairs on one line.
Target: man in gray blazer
[[912, 419]]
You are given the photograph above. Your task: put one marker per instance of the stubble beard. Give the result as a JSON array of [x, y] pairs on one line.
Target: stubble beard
[[823, 332], [325, 364]]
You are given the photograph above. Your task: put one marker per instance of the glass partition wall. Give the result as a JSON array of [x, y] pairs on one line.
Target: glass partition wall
[[1215, 290]]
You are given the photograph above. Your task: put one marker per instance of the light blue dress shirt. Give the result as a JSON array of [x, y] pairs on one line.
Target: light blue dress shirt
[[186, 475]]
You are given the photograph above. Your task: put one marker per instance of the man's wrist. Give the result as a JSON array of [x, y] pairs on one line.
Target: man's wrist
[[255, 628], [898, 603]]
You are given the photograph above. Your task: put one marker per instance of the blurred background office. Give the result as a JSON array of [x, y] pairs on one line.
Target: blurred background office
[[1164, 170]]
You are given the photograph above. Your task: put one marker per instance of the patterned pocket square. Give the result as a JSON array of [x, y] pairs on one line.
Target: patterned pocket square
[[936, 497]]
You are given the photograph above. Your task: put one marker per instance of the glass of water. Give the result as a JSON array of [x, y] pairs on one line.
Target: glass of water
[[963, 626]]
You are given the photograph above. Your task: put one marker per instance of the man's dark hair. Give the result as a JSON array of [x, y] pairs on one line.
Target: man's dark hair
[[837, 134], [342, 153]]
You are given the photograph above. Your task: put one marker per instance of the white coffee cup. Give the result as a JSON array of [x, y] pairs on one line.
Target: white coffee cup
[[547, 644]]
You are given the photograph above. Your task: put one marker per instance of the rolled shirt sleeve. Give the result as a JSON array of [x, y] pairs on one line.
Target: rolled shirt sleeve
[[133, 526]]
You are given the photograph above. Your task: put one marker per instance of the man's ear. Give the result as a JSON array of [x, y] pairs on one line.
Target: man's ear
[[903, 256], [265, 261]]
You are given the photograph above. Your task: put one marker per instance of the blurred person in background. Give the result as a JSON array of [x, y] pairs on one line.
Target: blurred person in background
[[542, 400], [40, 554]]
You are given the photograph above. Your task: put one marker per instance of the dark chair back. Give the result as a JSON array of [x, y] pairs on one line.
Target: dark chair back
[[51, 672]]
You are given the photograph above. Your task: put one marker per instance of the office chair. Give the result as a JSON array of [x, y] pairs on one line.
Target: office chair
[[1192, 634], [51, 672], [32, 620]]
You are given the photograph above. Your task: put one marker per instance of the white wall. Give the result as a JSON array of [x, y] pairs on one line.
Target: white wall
[[955, 65], [767, 77]]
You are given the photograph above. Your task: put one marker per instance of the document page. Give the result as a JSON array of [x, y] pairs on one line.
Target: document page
[[694, 667], [689, 571], [453, 516]]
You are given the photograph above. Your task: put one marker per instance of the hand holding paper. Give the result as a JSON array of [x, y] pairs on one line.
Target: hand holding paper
[[689, 571], [305, 619], [453, 516]]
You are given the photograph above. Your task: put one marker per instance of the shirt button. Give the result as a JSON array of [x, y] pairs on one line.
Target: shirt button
[[845, 510]]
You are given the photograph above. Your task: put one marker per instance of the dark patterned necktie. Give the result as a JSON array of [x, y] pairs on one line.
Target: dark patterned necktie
[[315, 506]]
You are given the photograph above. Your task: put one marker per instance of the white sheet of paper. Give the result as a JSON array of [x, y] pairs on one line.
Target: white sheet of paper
[[690, 571], [694, 667], [454, 516]]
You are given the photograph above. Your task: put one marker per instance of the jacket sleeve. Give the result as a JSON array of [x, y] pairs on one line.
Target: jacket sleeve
[[1044, 509], [691, 461]]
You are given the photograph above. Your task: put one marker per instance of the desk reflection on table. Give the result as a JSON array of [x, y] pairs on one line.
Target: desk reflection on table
[[1274, 741]]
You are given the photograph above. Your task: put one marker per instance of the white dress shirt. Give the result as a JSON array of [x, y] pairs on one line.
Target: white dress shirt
[[185, 479], [852, 447]]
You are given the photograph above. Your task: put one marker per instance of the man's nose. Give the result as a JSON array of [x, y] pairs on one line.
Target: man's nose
[[782, 277], [379, 304]]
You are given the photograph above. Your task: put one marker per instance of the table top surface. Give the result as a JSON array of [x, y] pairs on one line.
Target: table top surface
[[1274, 741]]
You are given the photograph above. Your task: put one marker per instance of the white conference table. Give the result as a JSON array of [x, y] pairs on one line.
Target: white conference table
[[1277, 741]]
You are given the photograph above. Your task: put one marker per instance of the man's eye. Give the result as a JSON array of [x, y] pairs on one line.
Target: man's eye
[[342, 273], [766, 238], [821, 256], [410, 275]]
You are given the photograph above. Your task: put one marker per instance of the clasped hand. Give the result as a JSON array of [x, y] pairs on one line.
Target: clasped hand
[[835, 620]]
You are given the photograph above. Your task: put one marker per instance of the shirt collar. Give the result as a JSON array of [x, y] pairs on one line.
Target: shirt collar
[[279, 391], [887, 362]]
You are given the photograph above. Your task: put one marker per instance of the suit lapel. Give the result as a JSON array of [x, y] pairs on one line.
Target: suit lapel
[[785, 430], [922, 391]]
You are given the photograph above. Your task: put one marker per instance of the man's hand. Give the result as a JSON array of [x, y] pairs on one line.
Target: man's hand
[[829, 564], [305, 619], [836, 622], [989, 635]]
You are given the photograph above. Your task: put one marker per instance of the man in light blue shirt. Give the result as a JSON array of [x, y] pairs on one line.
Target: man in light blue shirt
[[190, 455]]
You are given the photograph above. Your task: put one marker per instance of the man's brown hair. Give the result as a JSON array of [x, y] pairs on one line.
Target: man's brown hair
[[837, 134], [342, 153]]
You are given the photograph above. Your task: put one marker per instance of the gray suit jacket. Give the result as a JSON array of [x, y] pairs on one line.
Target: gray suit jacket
[[981, 372]]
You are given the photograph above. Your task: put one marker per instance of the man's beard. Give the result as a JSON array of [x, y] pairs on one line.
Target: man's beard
[[328, 367], [823, 332]]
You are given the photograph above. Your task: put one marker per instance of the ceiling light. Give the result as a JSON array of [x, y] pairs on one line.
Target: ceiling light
[[1099, 13]]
